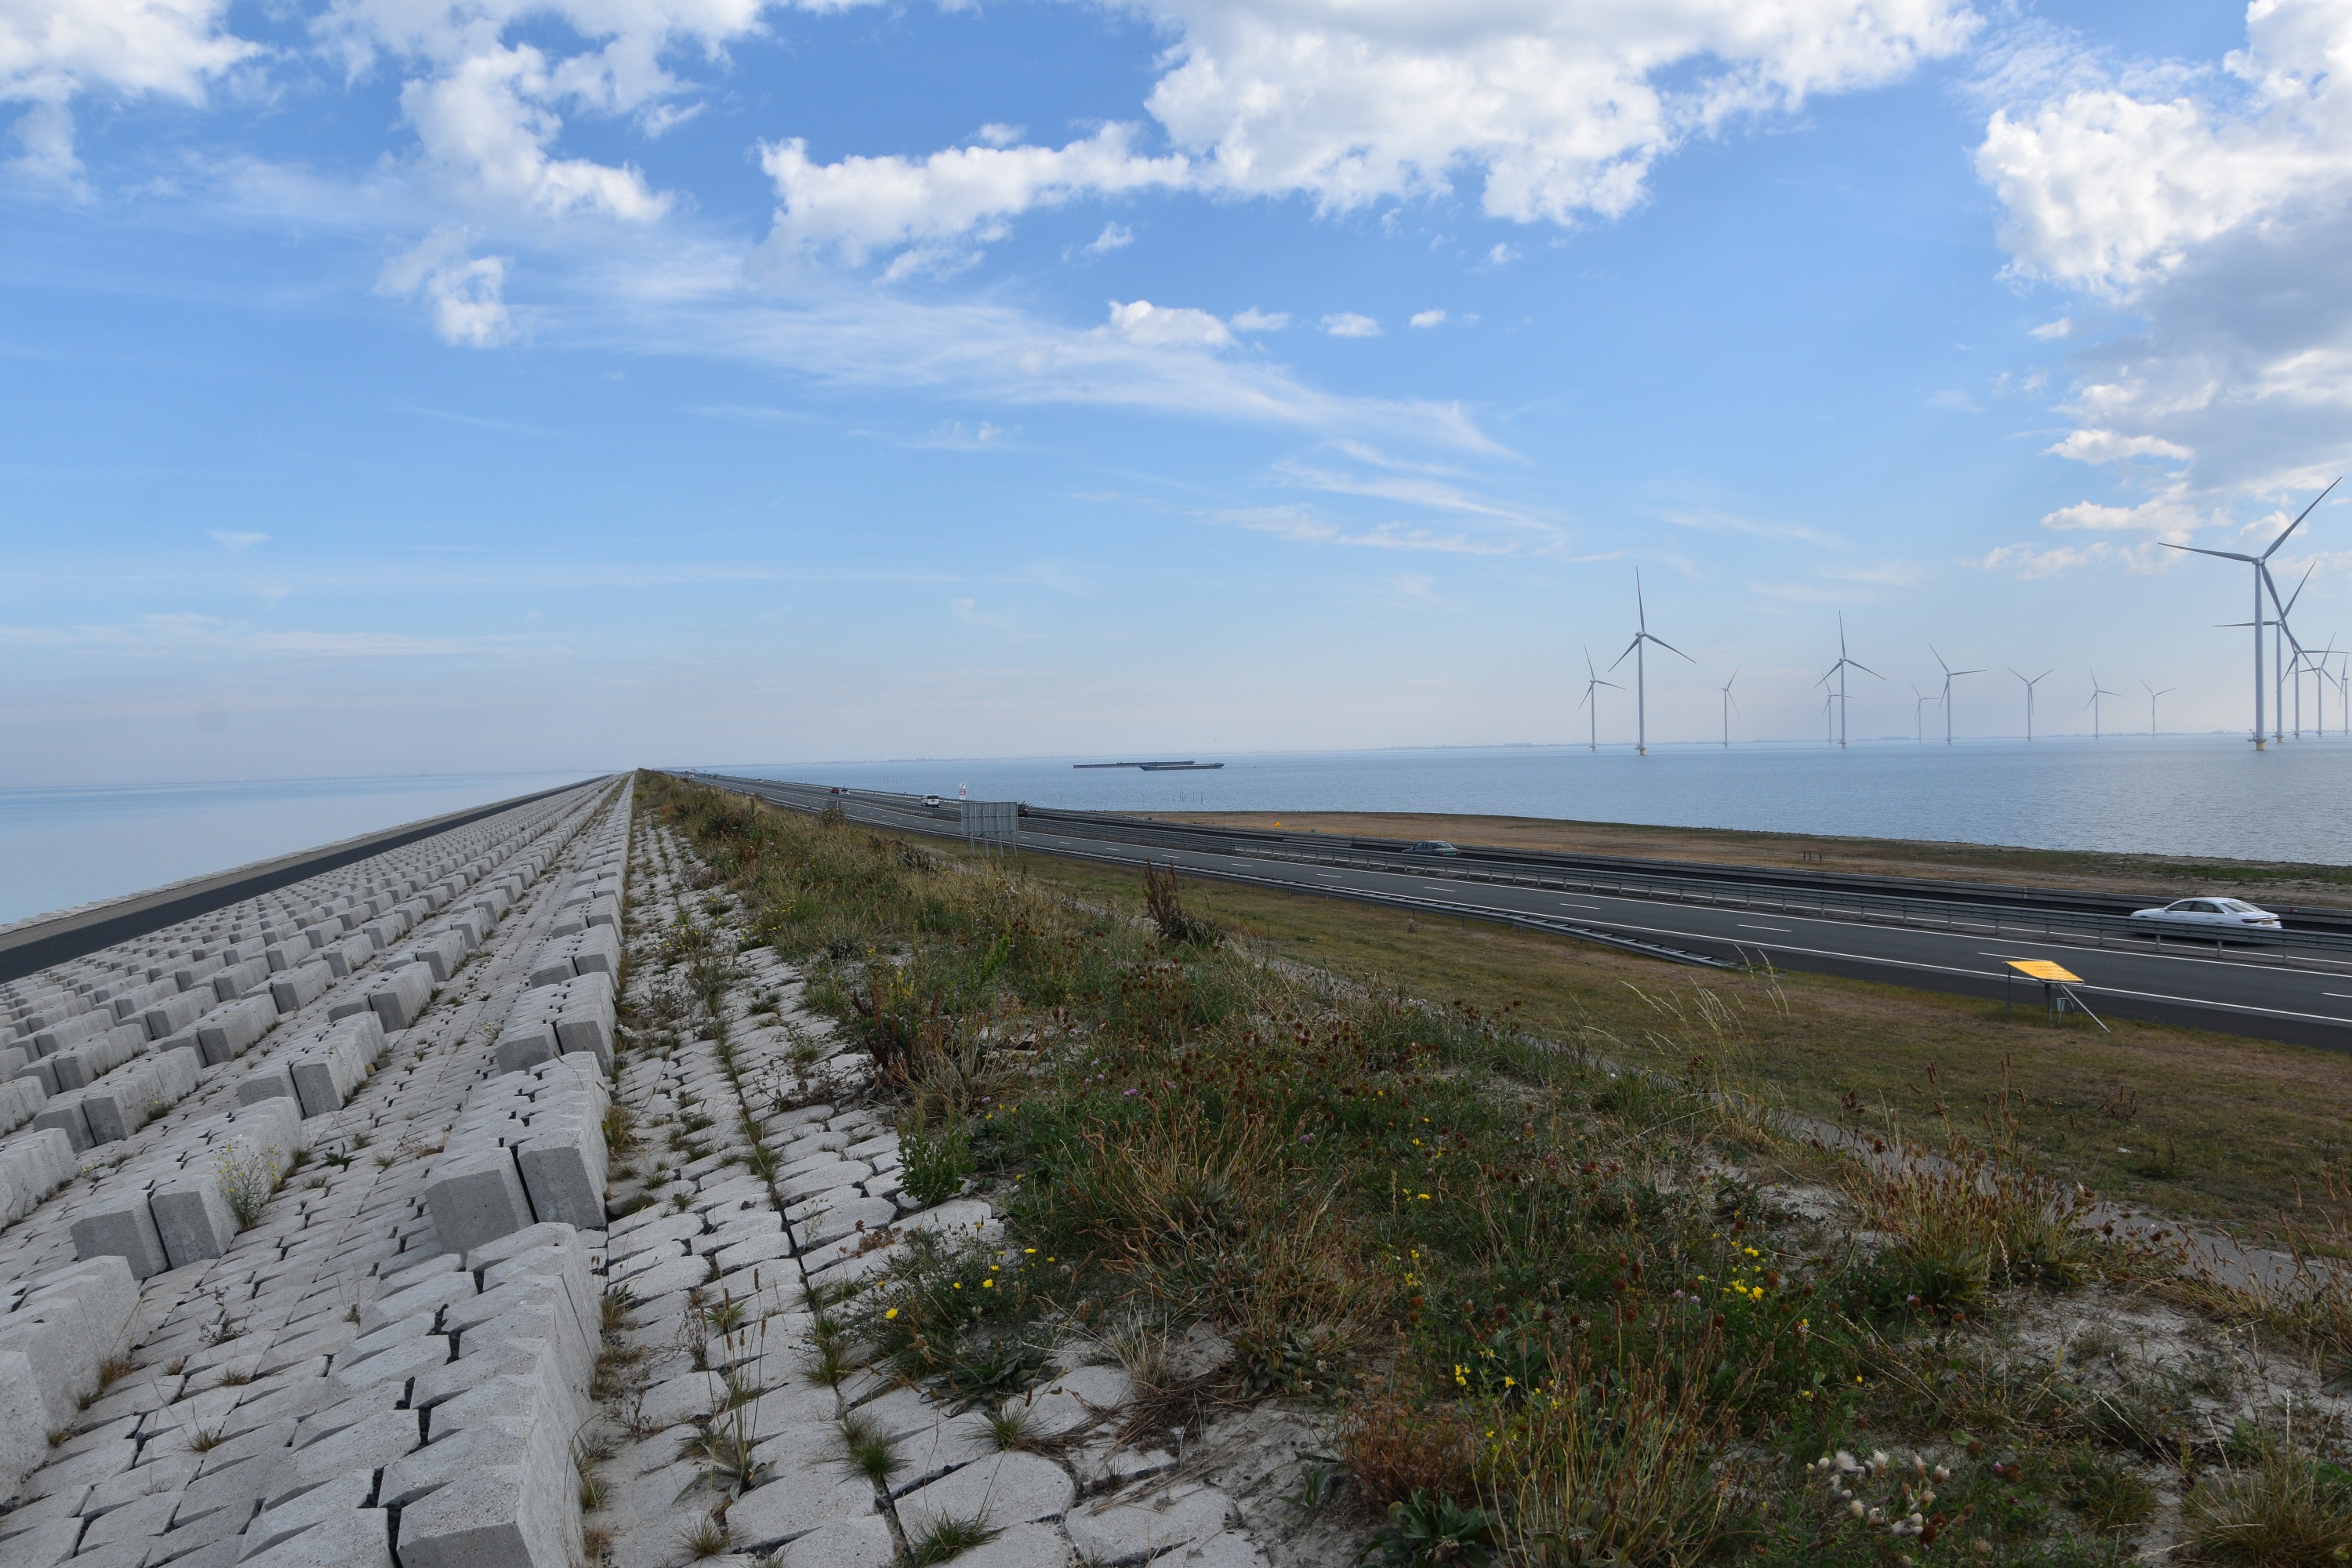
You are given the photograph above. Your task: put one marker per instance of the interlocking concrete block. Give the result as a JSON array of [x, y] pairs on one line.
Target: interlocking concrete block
[[369, 1445], [401, 995], [271, 1080], [1006, 1488], [1023, 1546], [526, 1044], [122, 1102], [427, 1297], [1117, 1533], [509, 1517], [173, 1014], [359, 1538], [451, 1458], [36, 1163], [24, 1423], [226, 1033], [564, 1174], [120, 1226], [296, 989], [323, 1080], [193, 1218], [798, 1501], [860, 1543], [63, 1115], [477, 1199], [343, 1494]]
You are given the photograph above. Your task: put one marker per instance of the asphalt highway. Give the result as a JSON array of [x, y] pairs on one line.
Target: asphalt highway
[[2248, 991]]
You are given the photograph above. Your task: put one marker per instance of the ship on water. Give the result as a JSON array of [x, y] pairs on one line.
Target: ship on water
[[1186, 766]]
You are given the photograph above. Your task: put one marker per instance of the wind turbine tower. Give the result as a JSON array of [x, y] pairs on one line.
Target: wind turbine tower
[[2030, 685], [2152, 695], [1728, 706], [2260, 580], [1641, 674], [1919, 713], [1592, 684], [1843, 664], [1950, 675], [2097, 691]]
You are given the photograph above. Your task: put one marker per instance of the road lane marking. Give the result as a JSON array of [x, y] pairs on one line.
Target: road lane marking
[[1745, 926]]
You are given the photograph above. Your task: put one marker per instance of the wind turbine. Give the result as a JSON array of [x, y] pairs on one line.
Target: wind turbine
[[1829, 718], [2260, 579], [1592, 683], [2152, 695], [2030, 685], [1950, 675], [1728, 706], [1919, 713], [1641, 674], [1838, 668], [2281, 638], [2097, 691]]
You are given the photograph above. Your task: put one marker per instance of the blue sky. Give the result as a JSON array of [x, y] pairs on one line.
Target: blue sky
[[400, 385]]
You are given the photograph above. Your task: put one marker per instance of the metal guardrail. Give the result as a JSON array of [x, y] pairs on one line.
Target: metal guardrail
[[2043, 923]]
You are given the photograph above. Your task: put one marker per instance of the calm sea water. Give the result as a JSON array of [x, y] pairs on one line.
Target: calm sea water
[[59, 848], [2178, 795], [2181, 795]]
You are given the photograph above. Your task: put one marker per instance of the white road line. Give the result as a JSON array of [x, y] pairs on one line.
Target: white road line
[[1745, 926]]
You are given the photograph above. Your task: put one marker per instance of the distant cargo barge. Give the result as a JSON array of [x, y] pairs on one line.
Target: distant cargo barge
[[1183, 767]]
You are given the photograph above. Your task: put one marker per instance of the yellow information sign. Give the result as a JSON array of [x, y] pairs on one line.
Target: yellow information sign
[[2043, 969]]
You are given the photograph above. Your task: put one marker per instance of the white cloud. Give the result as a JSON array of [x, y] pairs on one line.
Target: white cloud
[[2032, 561], [1256, 320], [1429, 318], [1348, 324], [486, 121], [1113, 236], [2057, 329], [861, 205], [2106, 446], [1556, 111], [1161, 326], [53, 51], [237, 539], [1501, 255], [2215, 200], [467, 293]]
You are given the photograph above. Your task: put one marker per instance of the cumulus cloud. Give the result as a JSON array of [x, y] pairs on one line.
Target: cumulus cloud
[[1161, 326], [231, 538], [1256, 320], [1429, 318], [466, 293], [2107, 447], [861, 205], [2213, 202], [1113, 236], [1348, 324], [53, 51], [1555, 112]]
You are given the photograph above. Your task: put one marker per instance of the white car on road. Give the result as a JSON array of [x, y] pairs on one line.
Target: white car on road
[[2211, 912]]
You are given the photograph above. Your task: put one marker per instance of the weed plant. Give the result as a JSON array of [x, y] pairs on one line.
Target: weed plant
[[1536, 1290]]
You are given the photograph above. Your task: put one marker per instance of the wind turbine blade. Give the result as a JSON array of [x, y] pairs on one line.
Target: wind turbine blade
[[2200, 550], [1865, 669], [1627, 653], [1673, 649], [1957, 673], [2298, 521]]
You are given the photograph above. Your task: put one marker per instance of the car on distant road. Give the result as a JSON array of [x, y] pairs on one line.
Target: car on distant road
[[2210, 913], [931, 800], [836, 790], [1433, 847]]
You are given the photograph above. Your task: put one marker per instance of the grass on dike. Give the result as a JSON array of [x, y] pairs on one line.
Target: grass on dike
[[2205, 1126], [1549, 1311]]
